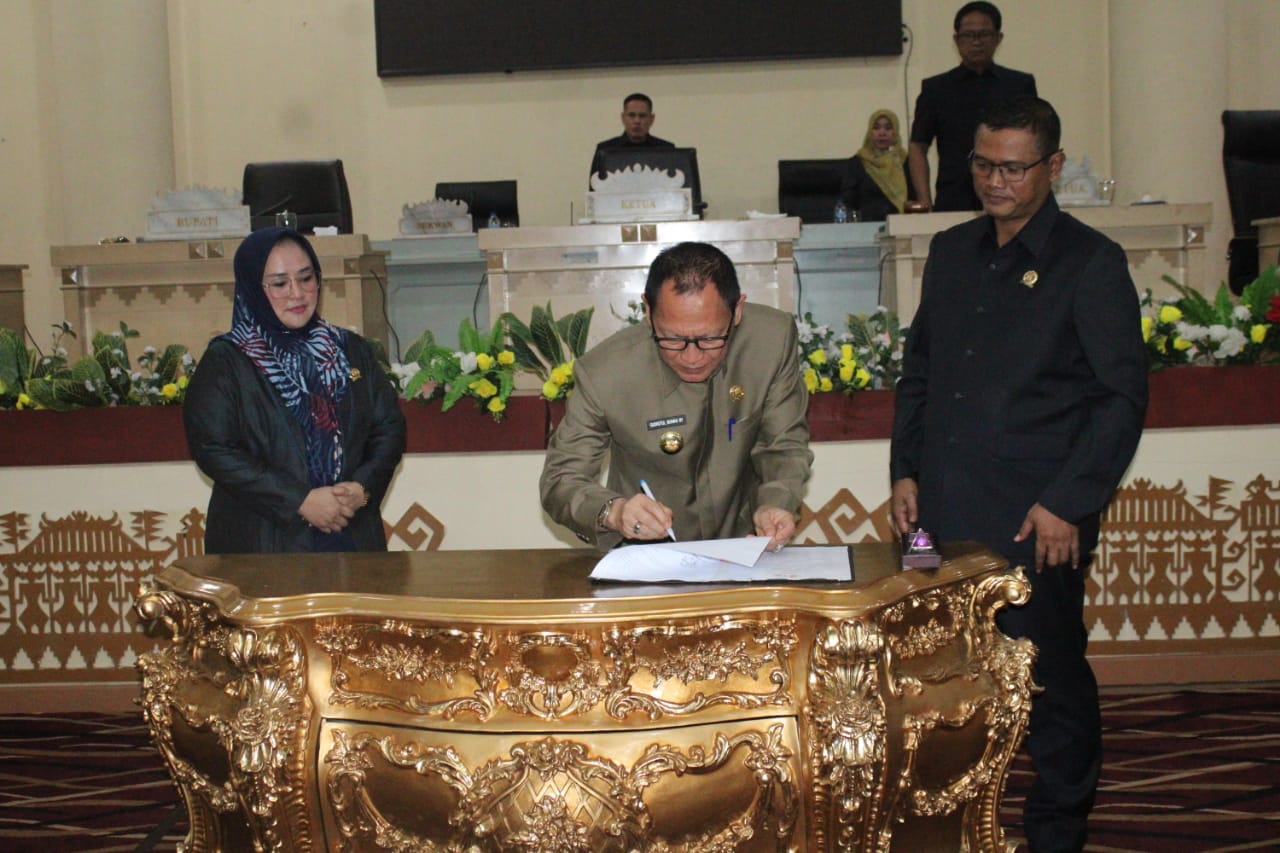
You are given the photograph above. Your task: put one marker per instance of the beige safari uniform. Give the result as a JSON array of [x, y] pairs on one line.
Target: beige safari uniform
[[743, 439]]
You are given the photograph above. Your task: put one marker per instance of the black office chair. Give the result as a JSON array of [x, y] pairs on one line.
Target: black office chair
[[1251, 163], [809, 188], [316, 190], [484, 198]]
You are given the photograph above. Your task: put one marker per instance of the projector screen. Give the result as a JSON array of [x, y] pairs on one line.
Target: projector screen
[[425, 37]]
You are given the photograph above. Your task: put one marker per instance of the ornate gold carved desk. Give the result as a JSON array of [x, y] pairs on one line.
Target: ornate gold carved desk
[[498, 701]]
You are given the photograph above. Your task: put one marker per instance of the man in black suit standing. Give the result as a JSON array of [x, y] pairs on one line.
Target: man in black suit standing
[[949, 105], [1021, 404]]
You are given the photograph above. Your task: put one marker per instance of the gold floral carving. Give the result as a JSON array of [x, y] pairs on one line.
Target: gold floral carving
[[997, 691], [861, 792], [397, 651], [846, 725], [553, 795], [245, 691], [675, 669], [711, 650], [552, 676]]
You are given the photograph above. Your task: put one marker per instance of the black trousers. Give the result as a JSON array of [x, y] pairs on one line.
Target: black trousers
[[1064, 737]]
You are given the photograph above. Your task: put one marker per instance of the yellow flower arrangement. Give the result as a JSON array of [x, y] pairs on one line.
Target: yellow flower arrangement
[[1214, 329], [869, 355], [481, 368]]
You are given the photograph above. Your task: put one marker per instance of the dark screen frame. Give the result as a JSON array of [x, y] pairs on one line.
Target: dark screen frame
[[440, 37]]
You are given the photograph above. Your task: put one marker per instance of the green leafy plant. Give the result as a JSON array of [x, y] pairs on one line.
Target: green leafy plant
[[482, 368], [32, 379], [548, 347]]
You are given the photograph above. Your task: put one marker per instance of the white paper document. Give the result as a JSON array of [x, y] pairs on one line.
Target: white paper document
[[723, 561]]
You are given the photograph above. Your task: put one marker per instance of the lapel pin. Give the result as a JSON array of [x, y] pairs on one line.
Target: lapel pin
[[1030, 277]]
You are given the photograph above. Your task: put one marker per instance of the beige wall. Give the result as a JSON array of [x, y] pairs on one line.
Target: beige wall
[[149, 93]]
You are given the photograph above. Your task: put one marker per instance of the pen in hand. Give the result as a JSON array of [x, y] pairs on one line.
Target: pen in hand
[[648, 493]]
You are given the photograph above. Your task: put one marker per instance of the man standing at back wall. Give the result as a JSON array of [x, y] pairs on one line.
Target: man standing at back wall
[[1023, 391], [949, 105]]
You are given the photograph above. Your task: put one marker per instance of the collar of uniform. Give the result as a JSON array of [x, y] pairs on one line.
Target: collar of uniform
[[1035, 233], [965, 72]]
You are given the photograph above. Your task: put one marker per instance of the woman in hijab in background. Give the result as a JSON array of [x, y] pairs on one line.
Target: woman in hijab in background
[[293, 419], [875, 181]]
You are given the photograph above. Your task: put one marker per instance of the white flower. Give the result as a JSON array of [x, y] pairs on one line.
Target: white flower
[[115, 372], [467, 361], [1218, 332], [404, 372], [117, 333], [88, 385], [1190, 332], [1232, 343], [1241, 314], [804, 332], [135, 376], [61, 351], [149, 350]]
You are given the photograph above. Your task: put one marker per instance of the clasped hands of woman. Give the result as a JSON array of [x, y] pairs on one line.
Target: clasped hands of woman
[[330, 508]]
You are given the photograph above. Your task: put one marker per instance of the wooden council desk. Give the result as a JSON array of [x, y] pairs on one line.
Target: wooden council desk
[[1158, 240], [11, 297], [180, 291], [496, 700], [604, 266]]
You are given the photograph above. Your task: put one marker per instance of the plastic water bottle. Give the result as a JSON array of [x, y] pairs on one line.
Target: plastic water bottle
[[494, 221], [841, 213]]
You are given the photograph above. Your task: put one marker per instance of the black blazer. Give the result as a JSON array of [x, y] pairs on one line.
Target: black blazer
[[1024, 380], [241, 435]]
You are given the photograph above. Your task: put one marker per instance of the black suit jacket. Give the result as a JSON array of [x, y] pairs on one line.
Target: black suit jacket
[[242, 436], [1024, 380]]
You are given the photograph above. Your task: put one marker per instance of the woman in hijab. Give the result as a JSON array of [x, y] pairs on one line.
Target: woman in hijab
[[292, 418], [875, 181]]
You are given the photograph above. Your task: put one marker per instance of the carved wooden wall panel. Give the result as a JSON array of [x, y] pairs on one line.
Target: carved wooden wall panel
[[1179, 569]]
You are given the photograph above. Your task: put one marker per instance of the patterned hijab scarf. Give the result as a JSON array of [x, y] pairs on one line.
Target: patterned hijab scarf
[[307, 367], [885, 167]]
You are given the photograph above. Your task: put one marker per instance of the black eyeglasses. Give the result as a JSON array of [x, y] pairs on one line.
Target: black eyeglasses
[[975, 36], [702, 342], [1011, 172]]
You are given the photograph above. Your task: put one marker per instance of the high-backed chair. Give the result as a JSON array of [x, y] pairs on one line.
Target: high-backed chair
[[809, 188], [484, 198], [1251, 163], [316, 190]]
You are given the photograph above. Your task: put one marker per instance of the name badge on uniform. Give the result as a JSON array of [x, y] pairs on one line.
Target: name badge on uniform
[[669, 421]]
